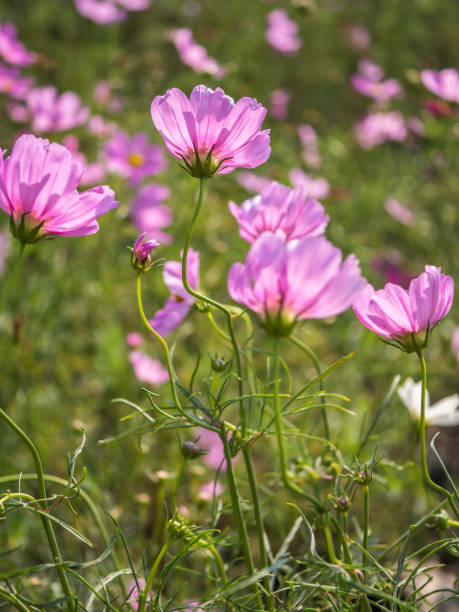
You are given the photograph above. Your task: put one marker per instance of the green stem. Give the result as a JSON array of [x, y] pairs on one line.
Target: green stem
[[11, 597], [151, 577], [330, 547], [71, 603], [13, 275], [219, 563], [366, 518], [425, 470]]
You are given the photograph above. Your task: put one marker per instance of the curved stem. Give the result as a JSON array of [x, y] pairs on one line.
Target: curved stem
[[219, 563], [425, 470], [330, 547], [71, 603], [151, 577], [13, 276], [11, 597]]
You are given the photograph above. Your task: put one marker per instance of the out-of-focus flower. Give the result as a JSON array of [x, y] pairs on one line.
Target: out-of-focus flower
[[308, 139], [282, 32], [178, 305], [438, 108], [215, 457], [51, 112], [287, 212], [11, 49], [134, 340], [103, 95], [358, 37], [105, 12], [286, 282], [38, 189], [455, 343], [370, 70], [141, 251], [100, 127], [400, 212], [210, 490], [149, 214], [93, 172], [415, 126], [377, 128], [134, 157], [17, 112], [407, 316], [443, 413], [12, 84], [134, 594], [209, 132], [314, 187], [4, 248], [378, 90], [390, 267], [251, 181], [443, 83], [148, 370], [195, 608], [278, 104], [194, 55]]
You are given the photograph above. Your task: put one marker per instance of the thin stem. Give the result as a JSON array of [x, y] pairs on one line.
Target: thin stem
[[13, 275], [425, 470], [366, 518], [151, 577], [330, 547], [71, 603], [11, 597], [219, 563]]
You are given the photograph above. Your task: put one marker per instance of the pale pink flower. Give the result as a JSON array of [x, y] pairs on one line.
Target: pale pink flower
[[443, 83], [194, 55], [210, 490], [400, 212], [134, 340], [149, 214], [38, 188], [195, 608], [211, 133], [134, 594], [370, 70], [251, 181], [102, 92], [11, 49], [282, 32], [105, 12], [404, 315], [455, 343], [17, 112], [4, 248], [285, 282], [278, 104], [314, 187], [12, 84], [134, 157], [358, 37], [148, 370], [308, 139], [380, 91], [100, 127], [178, 305], [287, 212], [377, 128], [51, 112], [210, 440], [93, 172]]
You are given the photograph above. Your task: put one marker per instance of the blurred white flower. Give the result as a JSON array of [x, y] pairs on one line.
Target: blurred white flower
[[444, 413]]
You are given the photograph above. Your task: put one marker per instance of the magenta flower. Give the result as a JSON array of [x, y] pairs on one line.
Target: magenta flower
[[210, 490], [209, 132], [282, 32], [149, 214], [11, 49], [134, 595], [289, 213], [251, 181], [4, 248], [400, 212], [404, 315], [215, 457], [389, 266], [12, 84], [105, 12], [178, 305], [148, 370], [134, 340], [194, 55], [278, 104], [444, 84], [134, 157], [288, 282], [38, 189], [314, 187], [377, 128], [141, 261], [308, 139], [51, 112]]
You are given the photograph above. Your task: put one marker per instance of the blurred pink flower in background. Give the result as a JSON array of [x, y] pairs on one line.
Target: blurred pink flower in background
[[370, 70], [148, 370], [195, 608], [178, 305], [377, 128], [103, 95], [51, 112], [209, 490], [12, 84], [108, 11], [278, 104], [308, 140], [287, 212], [368, 82], [282, 32], [93, 172], [149, 214], [133, 157], [286, 282], [134, 340], [38, 188], [134, 594], [455, 344], [400, 212], [4, 248], [396, 313], [314, 187], [11, 49], [210, 440], [100, 127], [251, 181], [389, 266], [443, 83], [358, 37], [194, 55], [210, 122]]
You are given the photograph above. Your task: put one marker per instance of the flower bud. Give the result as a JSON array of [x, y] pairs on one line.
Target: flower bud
[[190, 450], [218, 364], [140, 259]]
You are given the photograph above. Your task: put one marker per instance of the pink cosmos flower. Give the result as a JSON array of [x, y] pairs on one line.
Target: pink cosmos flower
[[149, 214], [210, 440], [141, 252], [308, 139], [148, 370], [101, 128], [403, 315], [286, 282], [278, 103], [134, 157], [11, 49], [358, 37], [251, 181], [211, 133], [38, 188], [210, 490], [287, 212], [17, 112], [51, 112], [105, 12], [178, 305], [4, 248], [194, 55], [314, 187], [378, 90], [134, 594], [455, 344], [134, 340], [377, 128], [282, 32], [12, 84], [400, 212], [370, 70], [444, 84]]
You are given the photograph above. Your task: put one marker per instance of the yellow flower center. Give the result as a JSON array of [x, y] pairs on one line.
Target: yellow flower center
[[136, 159]]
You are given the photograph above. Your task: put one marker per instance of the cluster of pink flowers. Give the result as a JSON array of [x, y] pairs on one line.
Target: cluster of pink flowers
[[377, 128], [13, 84], [368, 81], [282, 32], [105, 12], [194, 55]]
